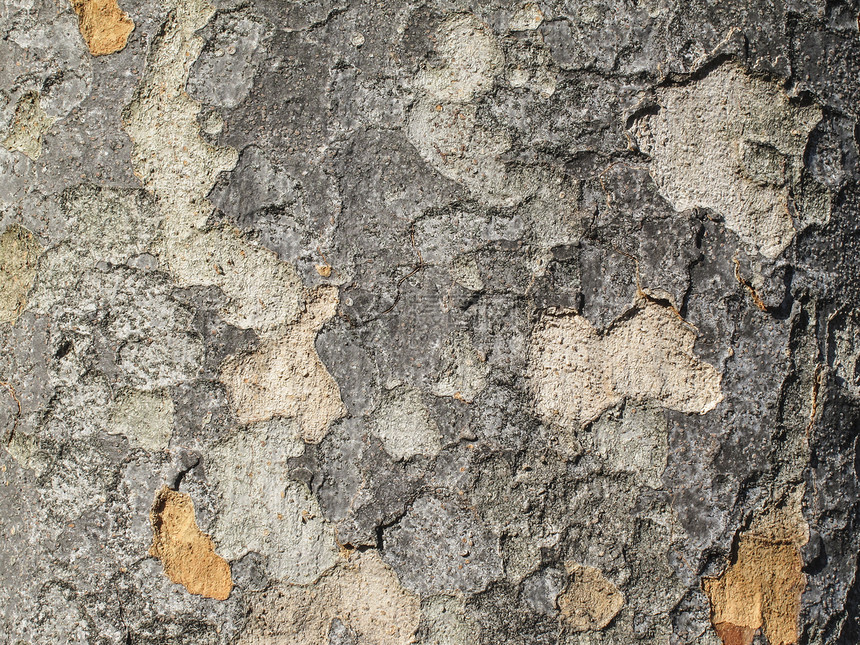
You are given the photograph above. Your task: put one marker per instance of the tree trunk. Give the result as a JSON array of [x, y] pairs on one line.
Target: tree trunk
[[375, 323]]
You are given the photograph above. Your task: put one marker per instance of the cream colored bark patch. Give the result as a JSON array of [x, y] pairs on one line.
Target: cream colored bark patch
[[169, 155], [145, 418], [590, 601], [263, 510], [19, 254], [104, 26], [162, 121], [264, 292], [187, 554], [577, 373], [734, 144], [405, 427], [286, 378], [363, 593], [28, 125]]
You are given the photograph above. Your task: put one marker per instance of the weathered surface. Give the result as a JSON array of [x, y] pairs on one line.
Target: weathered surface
[[103, 25], [19, 253], [187, 554], [590, 601], [340, 322]]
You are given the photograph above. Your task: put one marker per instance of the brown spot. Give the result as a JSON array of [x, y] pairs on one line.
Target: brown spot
[[187, 554], [761, 589], [19, 253], [590, 601], [734, 635], [104, 26]]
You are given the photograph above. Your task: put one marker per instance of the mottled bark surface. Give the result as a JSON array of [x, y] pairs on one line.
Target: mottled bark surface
[[340, 322]]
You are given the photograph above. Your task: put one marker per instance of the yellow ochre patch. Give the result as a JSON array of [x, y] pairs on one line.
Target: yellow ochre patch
[[187, 554]]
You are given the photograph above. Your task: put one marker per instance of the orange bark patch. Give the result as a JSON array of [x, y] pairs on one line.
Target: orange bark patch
[[761, 589], [187, 554], [104, 26]]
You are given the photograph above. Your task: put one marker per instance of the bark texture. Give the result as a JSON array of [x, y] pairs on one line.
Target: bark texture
[[347, 322]]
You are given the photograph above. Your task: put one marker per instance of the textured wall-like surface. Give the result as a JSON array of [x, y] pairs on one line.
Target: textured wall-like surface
[[374, 323]]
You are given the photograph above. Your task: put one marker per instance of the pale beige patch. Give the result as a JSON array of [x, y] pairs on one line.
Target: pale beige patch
[[285, 376], [28, 125], [186, 553], [363, 593], [145, 418], [104, 26], [732, 143], [527, 18], [405, 427], [171, 158], [590, 601], [19, 254], [577, 373], [264, 292]]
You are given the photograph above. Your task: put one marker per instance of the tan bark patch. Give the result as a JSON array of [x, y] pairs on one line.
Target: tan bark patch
[[285, 376], [579, 373], [19, 253], [363, 593], [104, 26], [187, 554], [590, 601], [761, 589]]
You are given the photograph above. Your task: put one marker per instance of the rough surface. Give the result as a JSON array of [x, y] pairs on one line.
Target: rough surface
[[646, 355], [103, 25], [734, 144], [439, 322], [186, 553], [19, 253]]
